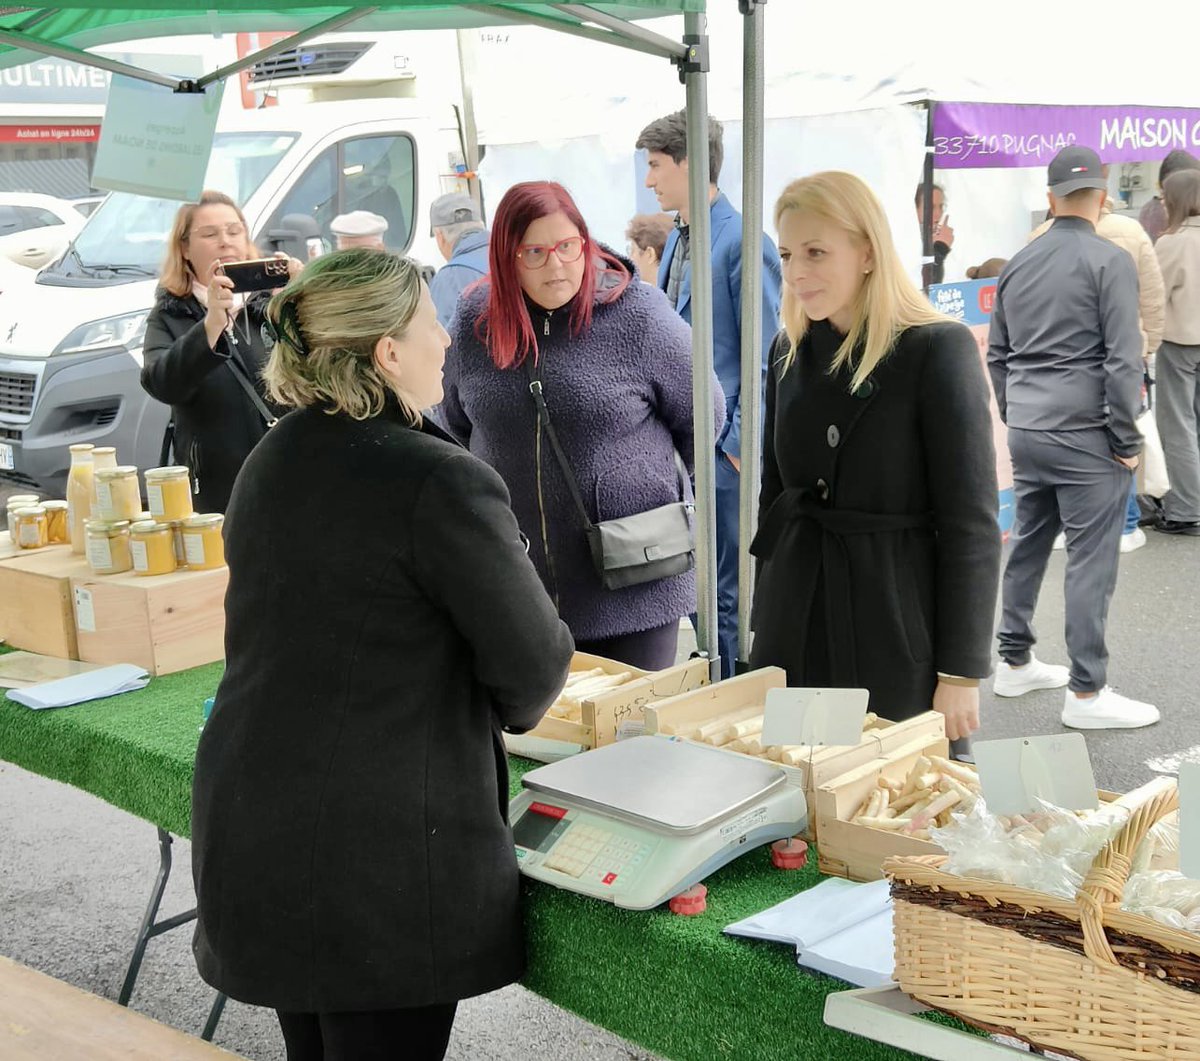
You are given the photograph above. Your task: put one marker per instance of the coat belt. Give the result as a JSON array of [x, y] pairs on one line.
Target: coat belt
[[822, 532]]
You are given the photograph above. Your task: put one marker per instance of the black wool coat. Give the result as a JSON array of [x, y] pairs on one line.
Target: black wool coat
[[216, 423], [878, 545], [351, 846]]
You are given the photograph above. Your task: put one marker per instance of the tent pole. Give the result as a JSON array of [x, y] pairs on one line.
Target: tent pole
[[77, 55], [927, 203], [523, 17], [295, 40], [466, 72], [695, 78], [752, 324]]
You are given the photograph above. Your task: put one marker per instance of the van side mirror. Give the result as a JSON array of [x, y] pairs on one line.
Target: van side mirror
[[293, 235]]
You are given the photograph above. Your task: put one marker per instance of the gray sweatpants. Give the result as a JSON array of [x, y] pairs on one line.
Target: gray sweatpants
[[1178, 418], [1068, 479]]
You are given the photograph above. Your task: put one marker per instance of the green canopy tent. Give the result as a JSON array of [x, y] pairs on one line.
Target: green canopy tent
[[66, 29]]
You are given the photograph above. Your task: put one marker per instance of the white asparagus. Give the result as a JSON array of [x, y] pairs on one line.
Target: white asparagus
[[944, 802], [910, 785], [577, 676], [750, 727], [911, 812], [891, 824], [957, 771], [874, 803], [721, 722], [592, 686], [869, 720]]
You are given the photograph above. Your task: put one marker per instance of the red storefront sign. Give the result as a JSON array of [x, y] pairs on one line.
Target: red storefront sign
[[49, 134]]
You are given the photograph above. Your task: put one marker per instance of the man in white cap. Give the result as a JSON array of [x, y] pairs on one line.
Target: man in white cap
[[463, 240], [359, 228]]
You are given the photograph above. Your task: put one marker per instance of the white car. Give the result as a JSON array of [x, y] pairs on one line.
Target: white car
[[35, 229]]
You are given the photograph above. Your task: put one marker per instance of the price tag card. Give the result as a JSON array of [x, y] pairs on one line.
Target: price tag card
[[1015, 774], [1189, 820], [814, 716]]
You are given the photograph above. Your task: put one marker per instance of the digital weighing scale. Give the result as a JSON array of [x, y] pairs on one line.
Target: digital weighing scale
[[637, 822]]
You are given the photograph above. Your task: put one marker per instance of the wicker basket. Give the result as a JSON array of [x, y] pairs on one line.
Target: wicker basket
[[1080, 977]]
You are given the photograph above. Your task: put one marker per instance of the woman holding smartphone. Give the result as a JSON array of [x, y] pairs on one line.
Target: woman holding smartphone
[[204, 350]]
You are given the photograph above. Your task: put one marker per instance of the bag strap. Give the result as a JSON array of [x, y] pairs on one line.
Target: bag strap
[[269, 418], [543, 412]]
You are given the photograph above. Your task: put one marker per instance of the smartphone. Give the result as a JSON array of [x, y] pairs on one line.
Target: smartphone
[[258, 274]]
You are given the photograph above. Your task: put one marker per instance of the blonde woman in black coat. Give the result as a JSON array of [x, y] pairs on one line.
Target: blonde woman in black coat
[[878, 545], [353, 862]]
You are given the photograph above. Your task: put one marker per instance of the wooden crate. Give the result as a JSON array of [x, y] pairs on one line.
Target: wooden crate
[[165, 623], [823, 764], [9, 550], [603, 714], [35, 601]]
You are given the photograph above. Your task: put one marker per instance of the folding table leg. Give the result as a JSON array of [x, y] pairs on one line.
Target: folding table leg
[[214, 1015]]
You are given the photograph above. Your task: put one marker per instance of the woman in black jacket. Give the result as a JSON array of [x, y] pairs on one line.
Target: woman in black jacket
[[878, 543], [353, 862], [204, 350]]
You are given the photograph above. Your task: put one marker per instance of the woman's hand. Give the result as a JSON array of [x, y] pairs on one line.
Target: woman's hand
[[220, 304], [295, 266], [960, 706]]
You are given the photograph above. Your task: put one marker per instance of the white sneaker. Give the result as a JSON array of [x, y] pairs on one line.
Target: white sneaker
[[1135, 539], [1016, 681], [1108, 709], [1061, 541]]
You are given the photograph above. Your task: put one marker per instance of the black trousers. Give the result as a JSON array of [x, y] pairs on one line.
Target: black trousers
[[648, 649], [417, 1034]]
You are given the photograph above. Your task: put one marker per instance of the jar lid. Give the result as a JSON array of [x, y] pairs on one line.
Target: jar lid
[[203, 519], [103, 451], [55, 506], [108, 528], [122, 471], [81, 447], [21, 500], [147, 526], [30, 512], [172, 472]]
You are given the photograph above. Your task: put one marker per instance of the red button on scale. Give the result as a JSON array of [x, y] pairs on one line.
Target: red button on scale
[[609, 878]]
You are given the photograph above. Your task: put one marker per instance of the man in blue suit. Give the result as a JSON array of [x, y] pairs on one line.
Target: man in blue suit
[[665, 142]]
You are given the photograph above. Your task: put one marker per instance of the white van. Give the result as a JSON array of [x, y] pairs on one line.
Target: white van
[[71, 342]]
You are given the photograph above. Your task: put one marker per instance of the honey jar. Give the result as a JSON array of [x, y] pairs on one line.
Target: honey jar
[[31, 527], [117, 496], [176, 526], [152, 546], [11, 505], [203, 545], [56, 522], [169, 492], [108, 549]]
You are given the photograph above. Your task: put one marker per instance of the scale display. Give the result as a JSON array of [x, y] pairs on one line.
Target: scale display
[[637, 822]]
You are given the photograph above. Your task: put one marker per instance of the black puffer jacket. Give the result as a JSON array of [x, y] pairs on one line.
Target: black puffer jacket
[[216, 423]]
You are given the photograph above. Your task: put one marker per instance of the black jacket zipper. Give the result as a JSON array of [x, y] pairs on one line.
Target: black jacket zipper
[[537, 371]]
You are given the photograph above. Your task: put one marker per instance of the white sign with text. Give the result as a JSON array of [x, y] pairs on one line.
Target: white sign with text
[[1055, 768], [814, 716]]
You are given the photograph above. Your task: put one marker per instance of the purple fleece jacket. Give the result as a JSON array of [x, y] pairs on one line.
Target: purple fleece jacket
[[620, 399]]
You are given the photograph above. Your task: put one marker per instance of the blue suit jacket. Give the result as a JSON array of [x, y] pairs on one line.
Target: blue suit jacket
[[467, 264], [727, 309]]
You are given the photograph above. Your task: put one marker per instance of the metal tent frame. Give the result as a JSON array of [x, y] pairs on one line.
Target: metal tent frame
[[615, 26]]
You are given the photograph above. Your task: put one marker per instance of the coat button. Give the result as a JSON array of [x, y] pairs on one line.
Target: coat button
[[822, 489], [833, 436]]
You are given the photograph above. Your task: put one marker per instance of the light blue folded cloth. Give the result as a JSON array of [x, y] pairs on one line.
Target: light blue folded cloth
[[79, 688]]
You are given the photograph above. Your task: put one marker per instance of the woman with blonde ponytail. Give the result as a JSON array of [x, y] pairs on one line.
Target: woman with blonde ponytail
[[878, 545]]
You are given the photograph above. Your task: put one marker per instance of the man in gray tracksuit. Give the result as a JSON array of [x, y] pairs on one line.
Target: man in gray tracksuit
[[1065, 357]]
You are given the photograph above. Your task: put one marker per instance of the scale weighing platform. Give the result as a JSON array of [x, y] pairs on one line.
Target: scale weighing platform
[[639, 821]]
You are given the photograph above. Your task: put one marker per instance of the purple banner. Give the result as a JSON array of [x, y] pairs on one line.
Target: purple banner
[[1009, 136]]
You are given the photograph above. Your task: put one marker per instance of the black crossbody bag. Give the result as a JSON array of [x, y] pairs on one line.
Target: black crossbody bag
[[644, 547]]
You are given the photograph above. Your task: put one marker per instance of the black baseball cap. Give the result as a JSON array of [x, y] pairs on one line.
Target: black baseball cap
[[1074, 168]]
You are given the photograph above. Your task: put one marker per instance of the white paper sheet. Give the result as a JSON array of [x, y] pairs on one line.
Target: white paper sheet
[[95, 685]]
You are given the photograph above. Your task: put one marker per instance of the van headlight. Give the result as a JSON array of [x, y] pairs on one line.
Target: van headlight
[[128, 330]]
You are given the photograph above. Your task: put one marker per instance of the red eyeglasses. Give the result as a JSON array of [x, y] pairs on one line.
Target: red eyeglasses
[[536, 255]]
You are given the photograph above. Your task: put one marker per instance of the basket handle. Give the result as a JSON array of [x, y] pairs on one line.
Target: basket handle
[[1104, 885]]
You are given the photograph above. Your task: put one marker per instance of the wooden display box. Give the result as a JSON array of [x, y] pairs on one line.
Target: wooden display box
[[603, 713], [165, 623], [824, 764], [35, 600], [9, 550], [857, 851]]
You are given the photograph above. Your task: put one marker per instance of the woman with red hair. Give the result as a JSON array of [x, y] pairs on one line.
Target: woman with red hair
[[615, 367]]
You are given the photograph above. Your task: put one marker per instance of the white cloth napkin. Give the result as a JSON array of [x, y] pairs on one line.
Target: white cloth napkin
[[95, 685]]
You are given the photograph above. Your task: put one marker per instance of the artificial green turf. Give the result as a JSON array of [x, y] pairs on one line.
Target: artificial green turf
[[676, 985]]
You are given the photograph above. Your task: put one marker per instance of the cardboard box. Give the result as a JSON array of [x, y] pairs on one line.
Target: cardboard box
[[682, 714], [165, 623], [35, 601], [857, 851], [604, 713]]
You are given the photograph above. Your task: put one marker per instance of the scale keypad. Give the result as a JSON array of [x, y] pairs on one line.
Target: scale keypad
[[596, 855]]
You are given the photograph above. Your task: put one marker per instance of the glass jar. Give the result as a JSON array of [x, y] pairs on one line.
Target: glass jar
[[11, 505], [152, 546], [176, 526], [80, 488], [102, 457], [203, 545], [169, 492], [117, 496], [108, 549], [31, 527], [56, 521]]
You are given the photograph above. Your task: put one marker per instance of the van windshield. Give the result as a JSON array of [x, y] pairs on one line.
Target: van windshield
[[128, 233]]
